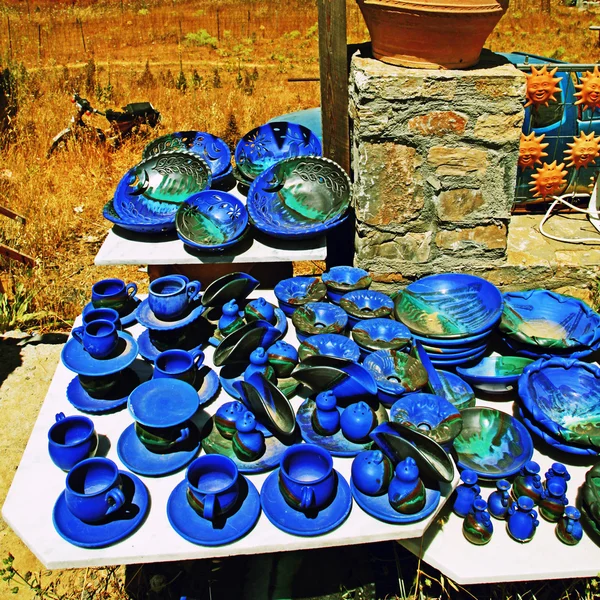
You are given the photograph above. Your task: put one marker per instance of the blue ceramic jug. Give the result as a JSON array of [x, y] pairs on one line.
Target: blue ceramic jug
[[499, 501], [466, 493], [477, 526], [406, 492], [558, 472], [528, 482], [522, 519], [569, 530], [325, 417], [553, 501]]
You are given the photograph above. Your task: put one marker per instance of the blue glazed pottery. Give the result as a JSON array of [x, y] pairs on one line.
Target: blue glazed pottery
[[568, 529], [227, 416], [178, 364], [114, 400], [495, 374], [406, 492], [455, 362], [146, 317], [101, 314], [272, 142], [455, 390], [132, 220], [211, 220], [114, 529], [372, 472], [552, 502], [318, 317], [499, 500], [492, 443], [449, 305], [296, 291], [259, 364], [248, 442], [152, 342], [169, 296], [93, 490], [329, 344], [237, 346], [71, 440], [522, 520], [299, 198], [343, 279], [557, 473], [380, 334], [126, 314], [454, 343], [366, 304], [259, 309], [477, 526], [563, 397], [98, 338], [283, 357], [233, 286], [357, 421], [466, 493], [113, 293], [230, 319], [325, 418], [537, 352], [528, 482]]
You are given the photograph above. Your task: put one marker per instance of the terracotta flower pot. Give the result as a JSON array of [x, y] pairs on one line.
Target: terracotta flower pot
[[429, 34]]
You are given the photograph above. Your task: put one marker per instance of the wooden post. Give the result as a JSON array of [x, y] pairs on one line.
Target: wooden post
[[333, 66], [39, 41], [82, 36], [218, 27], [9, 37]]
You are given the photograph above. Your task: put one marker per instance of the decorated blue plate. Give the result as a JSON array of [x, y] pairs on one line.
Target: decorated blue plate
[[495, 374], [329, 344], [296, 522], [296, 291], [137, 223], [146, 317]]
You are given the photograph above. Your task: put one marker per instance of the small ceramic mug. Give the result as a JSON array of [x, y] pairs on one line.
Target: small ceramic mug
[[213, 485], [161, 439], [99, 338], [170, 296], [307, 480], [93, 490], [101, 314], [179, 364], [112, 293], [71, 440]]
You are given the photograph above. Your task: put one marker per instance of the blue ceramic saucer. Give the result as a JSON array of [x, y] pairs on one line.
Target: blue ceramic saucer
[[296, 522], [117, 398], [135, 456], [76, 359], [149, 351], [148, 319], [99, 535], [194, 528], [380, 507], [128, 318], [210, 385]]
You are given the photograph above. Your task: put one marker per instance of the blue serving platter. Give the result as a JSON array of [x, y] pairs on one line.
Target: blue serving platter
[[329, 344], [296, 522], [380, 507], [117, 527], [194, 528], [76, 359], [128, 318], [136, 457], [296, 291], [145, 225]]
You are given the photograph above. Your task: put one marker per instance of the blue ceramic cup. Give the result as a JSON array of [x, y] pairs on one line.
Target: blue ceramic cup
[[93, 490], [112, 293], [99, 338], [101, 314], [179, 364], [307, 480], [213, 485], [170, 296], [71, 440]]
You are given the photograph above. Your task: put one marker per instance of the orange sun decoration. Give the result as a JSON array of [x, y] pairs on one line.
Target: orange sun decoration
[[531, 150], [549, 180], [589, 90], [541, 86], [583, 151]]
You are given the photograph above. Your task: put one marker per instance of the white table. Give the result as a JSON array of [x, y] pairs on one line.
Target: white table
[[38, 483]]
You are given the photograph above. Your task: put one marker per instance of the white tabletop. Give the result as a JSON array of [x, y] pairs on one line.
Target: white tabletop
[[38, 483]]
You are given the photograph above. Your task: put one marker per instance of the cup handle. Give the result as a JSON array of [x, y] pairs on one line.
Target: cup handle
[[193, 290], [308, 497], [59, 416], [209, 506], [117, 497], [77, 334], [185, 434], [197, 357], [131, 289]]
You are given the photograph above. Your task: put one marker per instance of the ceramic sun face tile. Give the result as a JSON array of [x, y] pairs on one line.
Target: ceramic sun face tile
[[531, 150], [549, 180], [541, 86], [589, 90], [583, 151]]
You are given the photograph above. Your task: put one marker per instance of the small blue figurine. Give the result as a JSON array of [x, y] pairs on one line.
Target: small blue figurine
[[248, 443], [260, 309], [226, 418], [558, 472], [230, 320], [325, 418], [372, 472], [357, 421], [466, 493], [568, 530], [499, 500], [528, 482], [477, 526], [406, 492], [259, 364], [553, 501], [522, 519]]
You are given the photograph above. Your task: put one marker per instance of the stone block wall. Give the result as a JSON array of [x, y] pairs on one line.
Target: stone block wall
[[434, 155]]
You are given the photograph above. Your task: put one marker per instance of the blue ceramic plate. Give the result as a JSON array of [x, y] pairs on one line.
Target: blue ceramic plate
[[537, 352], [343, 279], [495, 374], [329, 344], [563, 397], [453, 353], [548, 320], [211, 220], [128, 318], [81, 400], [299, 198], [456, 390], [296, 522], [194, 528], [212, 149], [455, 362], [99, 535], [454, 344], [449, 305], [295, 291], [75, 358], [268, 144], [366, 304], [136, 457], [319, 317], [381, 334], [492, 443], [139, 225], [148, 319], [380, 507], [336, 444], [149, 351]]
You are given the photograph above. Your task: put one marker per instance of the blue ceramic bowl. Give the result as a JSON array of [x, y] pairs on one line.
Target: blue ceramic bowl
[[449, 305], [342, 279], [445, 354], [433, 415], [299, 198], [366, 304], [563, 397], [318, 317], [137, 224], [380, 334], [329, 344], [456, 390], [546, 319], [211, 220], [296, 291], [263, 146], [456, 362], [454, 344], [495, 374], [540, 352]]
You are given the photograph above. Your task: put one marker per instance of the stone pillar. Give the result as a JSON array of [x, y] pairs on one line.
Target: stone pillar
[[434, 155]]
